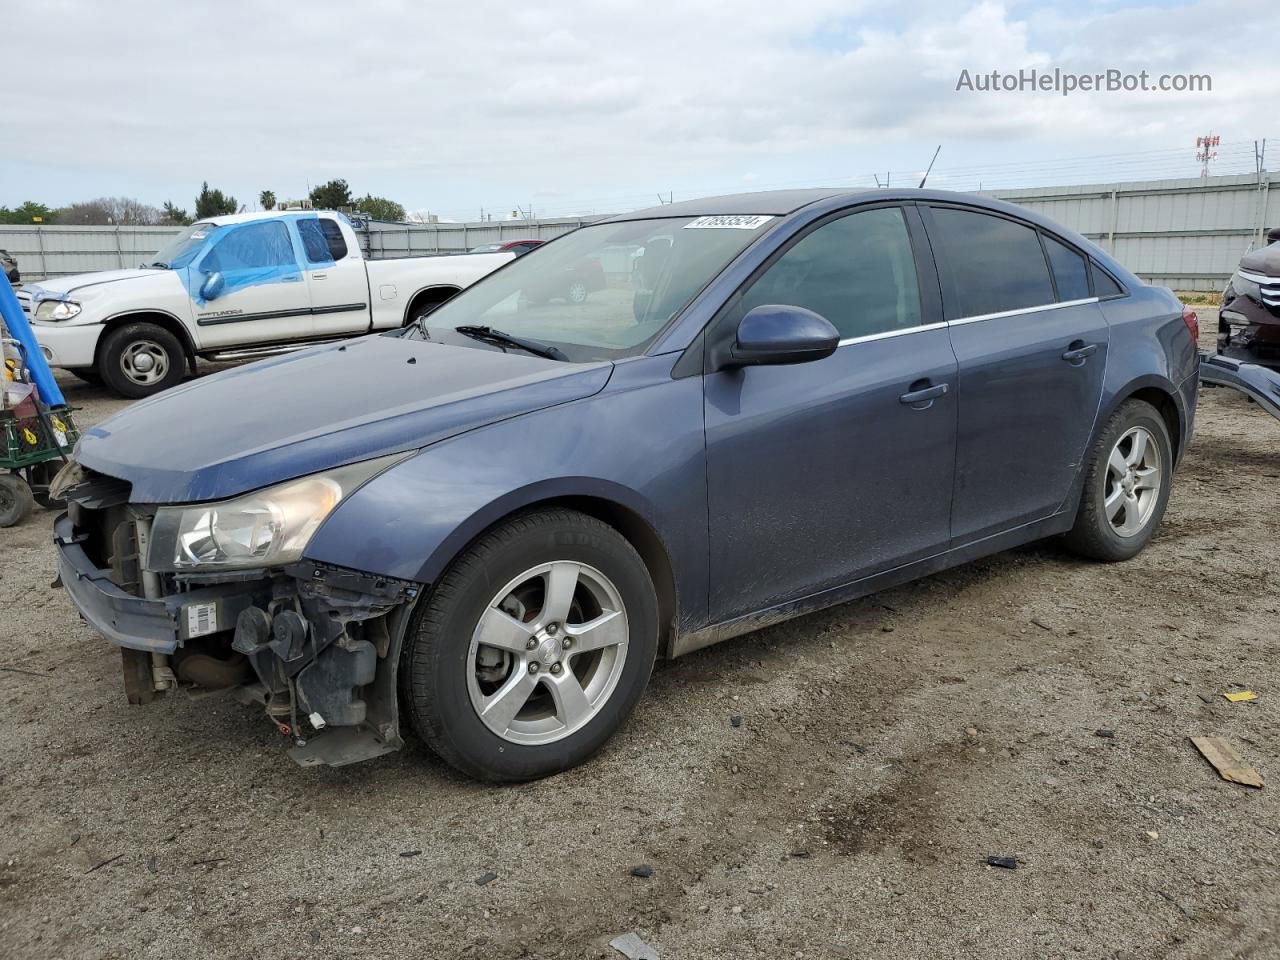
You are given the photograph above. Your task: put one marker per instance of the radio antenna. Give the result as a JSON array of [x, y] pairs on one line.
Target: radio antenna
[[930, 170]]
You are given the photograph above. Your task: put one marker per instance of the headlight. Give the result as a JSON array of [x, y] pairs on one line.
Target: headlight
[[264, 529], [57, 310], [1245, 287]]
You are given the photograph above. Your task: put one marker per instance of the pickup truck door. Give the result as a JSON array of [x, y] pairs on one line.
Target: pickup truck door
[[336, 277], [258, 294]]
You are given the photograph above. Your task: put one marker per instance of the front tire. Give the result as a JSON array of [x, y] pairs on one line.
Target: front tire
[[139, 359], [1126, 488], [533, 648]]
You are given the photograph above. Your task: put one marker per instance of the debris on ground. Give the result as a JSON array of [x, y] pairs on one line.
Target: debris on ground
[[1105, 734], [99, 866], [1229, 764], [1041, 624], [735, 721], [410, 853], [486, 878], [644, 871], [1006, 863], [1240, 696], [632, 947], [1186, 913]]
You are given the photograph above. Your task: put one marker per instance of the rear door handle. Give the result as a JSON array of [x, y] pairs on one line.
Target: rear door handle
[[1079, 351], [922, 395]]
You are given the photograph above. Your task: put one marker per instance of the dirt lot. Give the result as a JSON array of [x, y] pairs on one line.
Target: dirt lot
[[887, 748]]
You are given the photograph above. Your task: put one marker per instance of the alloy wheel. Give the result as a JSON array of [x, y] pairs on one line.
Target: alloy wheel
[[1133, 482], [547, 653]]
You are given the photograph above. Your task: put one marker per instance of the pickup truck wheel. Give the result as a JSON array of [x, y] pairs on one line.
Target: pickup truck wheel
[[1126, 486], [532, 649], [577, 292], [139, 359], [15, 499]]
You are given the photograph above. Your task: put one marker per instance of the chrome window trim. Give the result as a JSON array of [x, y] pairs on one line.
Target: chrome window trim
[[866, 338], [1022, 310]]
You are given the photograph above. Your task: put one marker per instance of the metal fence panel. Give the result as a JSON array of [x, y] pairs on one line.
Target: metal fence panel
[[1186, 234]]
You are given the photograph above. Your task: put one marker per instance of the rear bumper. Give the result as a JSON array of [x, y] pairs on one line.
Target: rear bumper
[[68, 346], [158, 626]]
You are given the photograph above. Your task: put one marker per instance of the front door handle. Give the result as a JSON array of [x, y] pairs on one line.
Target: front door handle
[[318, 276], [1079, 352], [922, 394]]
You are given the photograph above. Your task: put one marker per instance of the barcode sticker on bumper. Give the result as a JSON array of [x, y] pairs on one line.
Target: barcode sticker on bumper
[[202, 618]]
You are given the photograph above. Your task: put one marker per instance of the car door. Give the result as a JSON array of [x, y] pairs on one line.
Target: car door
[[248, 287], [821, 473], [1032, 347], [336, 278]]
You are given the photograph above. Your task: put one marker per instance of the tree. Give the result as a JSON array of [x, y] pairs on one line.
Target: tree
[[174, 215], [380, 208], [212, 203], [331, 195], [27, 213], [267, 199], [109, 211]]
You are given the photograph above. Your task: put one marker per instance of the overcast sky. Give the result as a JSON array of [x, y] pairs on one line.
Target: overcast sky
[[598, 106]]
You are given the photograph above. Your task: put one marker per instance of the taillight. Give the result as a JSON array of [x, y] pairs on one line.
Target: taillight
[[1193, 323]]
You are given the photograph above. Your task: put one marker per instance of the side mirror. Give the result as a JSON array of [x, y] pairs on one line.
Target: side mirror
[[1273, 235], [774, 334], [211, 289]]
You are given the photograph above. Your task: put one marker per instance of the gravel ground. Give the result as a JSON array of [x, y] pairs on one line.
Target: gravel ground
[[887, 748]]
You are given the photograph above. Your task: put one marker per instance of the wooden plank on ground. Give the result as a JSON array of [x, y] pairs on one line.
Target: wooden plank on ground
[[1229, 764]]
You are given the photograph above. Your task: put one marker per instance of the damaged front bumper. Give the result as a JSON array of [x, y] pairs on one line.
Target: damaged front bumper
[[315, 645]]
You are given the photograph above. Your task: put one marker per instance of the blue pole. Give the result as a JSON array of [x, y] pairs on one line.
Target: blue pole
[[16, 322]]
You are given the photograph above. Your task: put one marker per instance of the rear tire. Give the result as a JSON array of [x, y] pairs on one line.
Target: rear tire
[[550, 689], [1126, 486], [15, 499], [140, 359]]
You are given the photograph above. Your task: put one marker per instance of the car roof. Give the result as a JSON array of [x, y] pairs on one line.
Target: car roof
[[262, 215], [766, 202]]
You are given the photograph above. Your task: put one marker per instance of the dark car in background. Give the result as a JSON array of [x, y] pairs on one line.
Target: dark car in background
[[518, 247], [9, 264], [1249, 321], [776, 402]]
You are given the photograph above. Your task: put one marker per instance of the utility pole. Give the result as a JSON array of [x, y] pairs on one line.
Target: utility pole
[[1206, 151]]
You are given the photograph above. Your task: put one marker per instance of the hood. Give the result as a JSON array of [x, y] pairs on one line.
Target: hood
[[1264, 260], [66, 285], [277, 419]]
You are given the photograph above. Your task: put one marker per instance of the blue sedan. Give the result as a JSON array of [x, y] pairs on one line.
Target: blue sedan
[[486, 526]]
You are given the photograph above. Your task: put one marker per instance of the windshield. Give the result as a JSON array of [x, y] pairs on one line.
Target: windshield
[[178, 251], [604, 291]]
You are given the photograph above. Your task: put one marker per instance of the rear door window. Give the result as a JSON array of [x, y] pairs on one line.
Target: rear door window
[[858, 272], [1104, 285], [988, 264], [1070, 270], [333, 238]]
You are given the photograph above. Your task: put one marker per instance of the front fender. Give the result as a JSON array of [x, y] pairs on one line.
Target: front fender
[[638, 444]]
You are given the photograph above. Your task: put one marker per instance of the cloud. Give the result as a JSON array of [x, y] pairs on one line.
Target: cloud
[[445, 107]]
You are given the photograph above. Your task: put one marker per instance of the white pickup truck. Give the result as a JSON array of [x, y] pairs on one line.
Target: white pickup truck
[[235, 288]]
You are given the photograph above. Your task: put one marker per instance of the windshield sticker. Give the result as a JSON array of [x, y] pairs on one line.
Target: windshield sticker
[[728, 223]]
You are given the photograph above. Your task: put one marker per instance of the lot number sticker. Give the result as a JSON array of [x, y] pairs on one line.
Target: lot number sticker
[[728, 223]]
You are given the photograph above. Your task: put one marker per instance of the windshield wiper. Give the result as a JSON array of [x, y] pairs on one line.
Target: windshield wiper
[[490, 335], [158, 263]]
